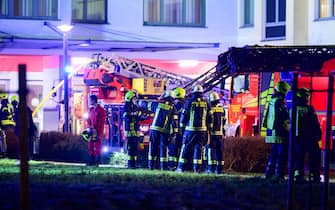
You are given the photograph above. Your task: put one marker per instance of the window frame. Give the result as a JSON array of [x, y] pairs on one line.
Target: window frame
[[85, 20], [251, 11], [274, 24], [34, 16], [331, 10], [202, 23]]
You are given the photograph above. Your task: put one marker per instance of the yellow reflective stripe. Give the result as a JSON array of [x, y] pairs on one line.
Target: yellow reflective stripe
[[163, 159], [152, 157], [182, 160], [132, 157], [188, 128], [218, 109], [211, 162], [156, 128], [8, 122], [220, 163], [173, 159], [197, 161], [217, 133]]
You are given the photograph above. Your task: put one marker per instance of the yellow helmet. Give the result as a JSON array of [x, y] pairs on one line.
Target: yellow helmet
[[303, 93], [282, 87], [129, 95], [198, 89], [214, 96], [179, 92], [3, 96], [14, 98]]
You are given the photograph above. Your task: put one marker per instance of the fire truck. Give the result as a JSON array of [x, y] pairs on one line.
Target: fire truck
[[110, 77]]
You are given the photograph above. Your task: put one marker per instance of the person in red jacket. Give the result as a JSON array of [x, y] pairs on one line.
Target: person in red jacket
[[95, 121]]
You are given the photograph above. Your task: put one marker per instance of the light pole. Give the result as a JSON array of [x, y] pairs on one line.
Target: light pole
[[65, 29]]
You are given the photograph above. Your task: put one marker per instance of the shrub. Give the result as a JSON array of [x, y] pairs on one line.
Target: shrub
[[119, 159], [246, 154], [59, 146]]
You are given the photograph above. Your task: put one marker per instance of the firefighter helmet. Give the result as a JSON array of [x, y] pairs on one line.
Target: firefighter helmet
[[214, 96], [303, 93], [129, 95], [179, 92], [282, 87], [14, 98], [3, 96], [198, 89]]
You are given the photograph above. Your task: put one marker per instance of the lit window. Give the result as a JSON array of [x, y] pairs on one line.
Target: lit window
[[89, 11], [174, 12], [30, 9], [275, 19], [248, 13], [326, 8]]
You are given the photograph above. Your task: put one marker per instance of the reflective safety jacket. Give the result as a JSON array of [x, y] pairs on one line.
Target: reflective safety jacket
[[307, 123], [165, 116], [7, 114], [277, 120], [219, 120], [196, 115], [131, 117], [179, 104]]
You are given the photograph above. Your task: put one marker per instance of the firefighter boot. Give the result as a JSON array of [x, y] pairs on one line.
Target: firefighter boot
[[219, 169], [91, 160], [98, 160], [131, 164]]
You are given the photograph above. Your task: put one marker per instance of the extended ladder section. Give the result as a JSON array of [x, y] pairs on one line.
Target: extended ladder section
[[133, 69], [212, 78]]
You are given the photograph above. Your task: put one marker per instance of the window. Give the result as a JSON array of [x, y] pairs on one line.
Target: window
[[89, 11], [275, 19], [30, 9], [174, 12], [326, 8], [248, 12]]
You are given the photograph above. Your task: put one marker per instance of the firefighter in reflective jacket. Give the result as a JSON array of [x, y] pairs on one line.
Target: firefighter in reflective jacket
[[175, 144], [163, 125], [308, 133], [6, 113], [7, 124], [277, 124], [131, 117], [215, 149], [196, 119]]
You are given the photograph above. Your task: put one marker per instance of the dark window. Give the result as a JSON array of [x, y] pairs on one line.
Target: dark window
[[89, 11], [174, 12], [248, 12], [275, 19], [29, 9]]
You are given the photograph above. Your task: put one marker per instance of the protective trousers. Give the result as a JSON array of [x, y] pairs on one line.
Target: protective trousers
[[174, 151], [215, 154], [277, 161], [193, 142], [132, 143], [158, 145]]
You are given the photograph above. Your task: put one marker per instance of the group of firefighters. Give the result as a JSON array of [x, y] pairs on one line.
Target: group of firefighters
[[191, 132], [179, 130], [9, 127]]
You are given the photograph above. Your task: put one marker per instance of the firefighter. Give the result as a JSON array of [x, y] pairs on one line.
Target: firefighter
[[131, 117], [277, 124], [215, 149], [308, 133], [8, 125], [15, 104], [95, 121], [196, 119], [175, 144], [163, 125]]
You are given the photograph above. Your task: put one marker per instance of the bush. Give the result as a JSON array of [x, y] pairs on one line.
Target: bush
[[59, 146], [246, 154], [119, 159]]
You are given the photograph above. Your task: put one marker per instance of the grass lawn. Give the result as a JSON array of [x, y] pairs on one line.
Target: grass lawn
[[65, 187]]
